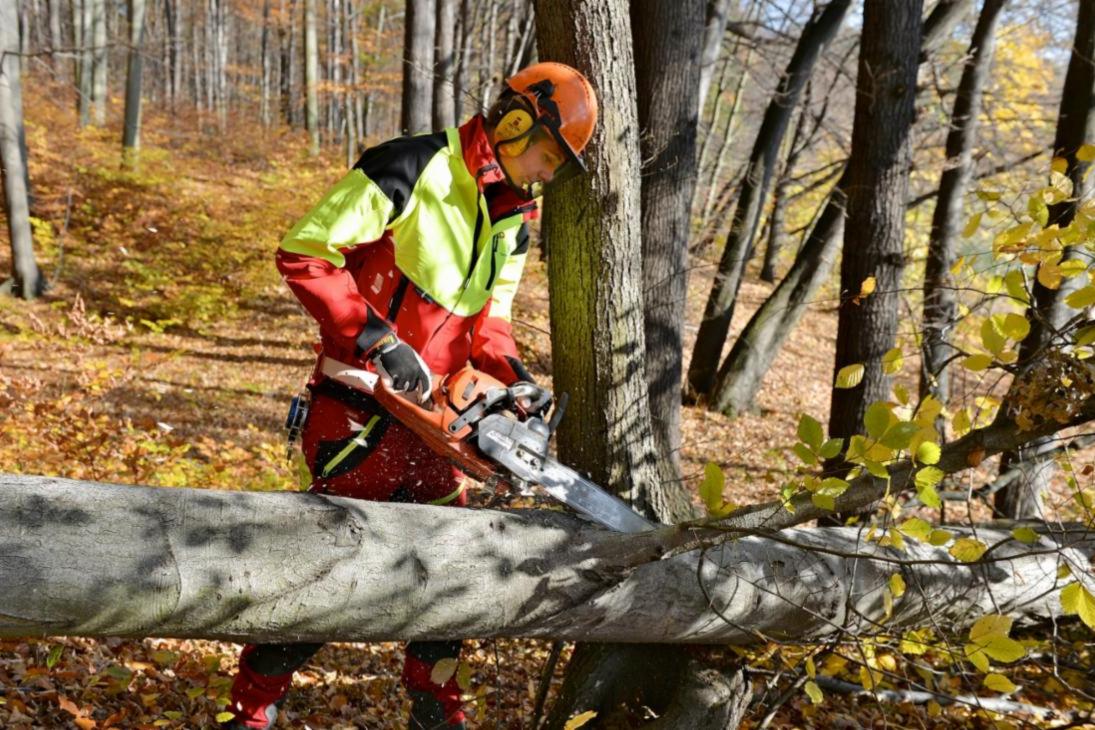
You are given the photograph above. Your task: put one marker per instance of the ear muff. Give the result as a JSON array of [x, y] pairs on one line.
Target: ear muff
[[512, 131]]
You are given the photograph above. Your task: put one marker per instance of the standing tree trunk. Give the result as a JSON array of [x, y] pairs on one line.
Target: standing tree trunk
[[99, 61], [311, 75], [418, 37], [26, 279], [667, 62], [591, 225], [1048, 312], [779, 195], [131, 134], [267, 66], [940, 306], [444, 109], [463, 61], [877, 182], [56, 37], [719, 310], [82, 13], [714, 28]]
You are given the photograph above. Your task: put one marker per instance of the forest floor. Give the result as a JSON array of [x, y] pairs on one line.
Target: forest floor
[[165, 353]]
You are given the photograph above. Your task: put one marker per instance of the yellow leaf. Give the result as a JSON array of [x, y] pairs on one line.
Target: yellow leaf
[[867, 287], [892, 361], [849, 376], [1076, 599], [1059, 165], [977, 362], [714, 480], [1003, 649], [967, 549], [1025, 535], [1016, 326], [977, 657], [916, 528], [814, 692], [463, 677], [1086, 153], [928, 452], [1081, 297], [443, 670], [580, 719], [998, 683], [972, 225], [1049, 275], [811, 668], [897, 585], [992, 624], [225, 716]]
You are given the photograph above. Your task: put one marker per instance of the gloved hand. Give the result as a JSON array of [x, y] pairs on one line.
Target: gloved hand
[[403, 369], [539, 399]]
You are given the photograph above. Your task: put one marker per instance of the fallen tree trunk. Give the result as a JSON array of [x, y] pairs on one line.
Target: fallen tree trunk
[[89, 559]]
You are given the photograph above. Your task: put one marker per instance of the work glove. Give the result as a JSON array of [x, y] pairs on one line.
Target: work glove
[[402, 369], [537, 404]]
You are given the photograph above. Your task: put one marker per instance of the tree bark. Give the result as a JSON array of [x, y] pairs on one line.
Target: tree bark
[[418, 39], [877, 187], [26, 279], [940, 305], [667, 62], [779, 195], [88, 559], [719, 310], [1048, 312], [100, 59], [444, 107], [131, 133]]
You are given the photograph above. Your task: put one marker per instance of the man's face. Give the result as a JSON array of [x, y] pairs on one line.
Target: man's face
[[536, 166]]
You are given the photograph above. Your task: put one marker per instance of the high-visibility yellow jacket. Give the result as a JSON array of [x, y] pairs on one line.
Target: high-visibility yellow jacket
[[422, 238]]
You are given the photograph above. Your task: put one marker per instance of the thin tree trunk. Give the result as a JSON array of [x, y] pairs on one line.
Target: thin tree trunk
[[940, 305], [444, 108], [85, 39], [487, 80], [463, 61], [779, 195], [715, 20], [131, 134], [667, 61], [418, 38], [26, 278], [100, 62], [56, 37], [311, 75], [1048, 311], [719, 310], [264, 59], [877, 188]]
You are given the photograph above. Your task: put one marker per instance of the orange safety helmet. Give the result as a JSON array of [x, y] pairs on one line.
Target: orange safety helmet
[[556, 99]]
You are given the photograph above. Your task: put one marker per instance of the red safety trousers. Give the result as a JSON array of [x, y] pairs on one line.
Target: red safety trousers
[[355, 449]]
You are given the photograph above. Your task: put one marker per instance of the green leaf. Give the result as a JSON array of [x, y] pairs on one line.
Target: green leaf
[[1025, 535], [830, 448], [810, 431], [968, 549], [823, 501], [1076, 599], [225, 716], [1036, 207], [849, 376], [928, 452], [877, 419], [814, 692], [929, 497], [900, 434], [977, 363], [714, 480], [998, 683], [1081, 297], [916, 528], [1085, 335], [1016, 286], [803, 452], [833, 486], [463, 677], [892, 361], [876, 469], [977, 657], [54, 655]]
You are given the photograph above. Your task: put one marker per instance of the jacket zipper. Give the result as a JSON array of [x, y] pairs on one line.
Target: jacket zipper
[[493, 253]]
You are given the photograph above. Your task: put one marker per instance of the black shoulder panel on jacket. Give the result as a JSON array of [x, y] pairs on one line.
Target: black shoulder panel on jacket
[[395, 165], [522, 240]]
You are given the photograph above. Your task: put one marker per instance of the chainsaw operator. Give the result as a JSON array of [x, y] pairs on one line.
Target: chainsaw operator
[[409, 264]]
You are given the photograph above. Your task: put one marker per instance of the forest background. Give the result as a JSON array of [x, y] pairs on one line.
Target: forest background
[[169, 143]]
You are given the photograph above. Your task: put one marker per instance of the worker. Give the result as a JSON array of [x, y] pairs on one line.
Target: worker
[[409, 264]]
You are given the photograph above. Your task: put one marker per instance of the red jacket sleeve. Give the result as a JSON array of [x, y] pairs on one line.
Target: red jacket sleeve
[[493, 350]]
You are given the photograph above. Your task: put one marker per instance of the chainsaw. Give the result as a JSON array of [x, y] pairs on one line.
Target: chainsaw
[[490, 431]]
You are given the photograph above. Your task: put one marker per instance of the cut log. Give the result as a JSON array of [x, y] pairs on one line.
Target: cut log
[[90, 559]]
